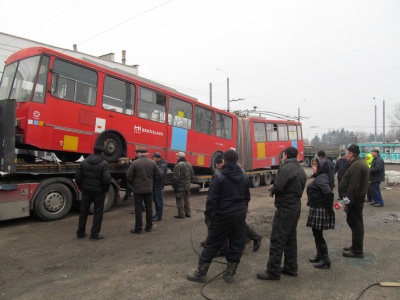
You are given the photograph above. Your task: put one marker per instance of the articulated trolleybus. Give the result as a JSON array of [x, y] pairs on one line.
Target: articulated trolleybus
[[52, 102]]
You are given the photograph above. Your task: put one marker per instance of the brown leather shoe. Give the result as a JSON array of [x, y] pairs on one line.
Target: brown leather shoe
[[351, 254]]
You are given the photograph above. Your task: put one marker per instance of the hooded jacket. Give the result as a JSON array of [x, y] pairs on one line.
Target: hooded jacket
[[93, 175], [319, 191], [229, 192]]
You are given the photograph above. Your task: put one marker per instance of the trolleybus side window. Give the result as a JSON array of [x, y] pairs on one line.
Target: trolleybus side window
[[179, 113], [272, 132], [151, 105], [299, 133], [292, 132], [74, 83], [282, 132], [224, 126], [118, 95], [41, 82], [259, 132], [204, 120]]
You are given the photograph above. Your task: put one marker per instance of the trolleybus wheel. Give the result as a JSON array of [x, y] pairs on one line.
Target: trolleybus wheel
[[113, 146], [53, 202], [266, 179], [255, 180], [108, 202]]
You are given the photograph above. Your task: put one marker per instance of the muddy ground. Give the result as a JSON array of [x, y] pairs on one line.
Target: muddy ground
[[44, 260]]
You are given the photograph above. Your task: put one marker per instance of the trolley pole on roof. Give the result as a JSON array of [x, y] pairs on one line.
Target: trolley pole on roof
[[227, 88], [298, 110]]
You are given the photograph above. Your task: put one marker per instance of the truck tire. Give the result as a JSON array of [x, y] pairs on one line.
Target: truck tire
[[108, 202], [255, 181], [53, 202], [266, 179], [307, 162]]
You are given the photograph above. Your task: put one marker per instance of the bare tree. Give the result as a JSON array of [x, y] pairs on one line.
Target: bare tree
[[395, 117]]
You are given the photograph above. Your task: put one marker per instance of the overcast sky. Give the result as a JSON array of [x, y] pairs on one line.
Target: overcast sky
[[330, 58]]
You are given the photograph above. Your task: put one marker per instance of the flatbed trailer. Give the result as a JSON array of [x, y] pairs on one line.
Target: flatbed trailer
[[48, 190]]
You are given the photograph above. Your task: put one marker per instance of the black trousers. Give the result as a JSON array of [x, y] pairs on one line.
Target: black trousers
[[231, 227], [147, 198], [340, 194], [355, 221], [283, 241], [98, 202]]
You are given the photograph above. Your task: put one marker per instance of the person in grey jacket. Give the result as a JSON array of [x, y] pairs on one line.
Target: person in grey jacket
[[141, 173], [376, 176], [93, 179]]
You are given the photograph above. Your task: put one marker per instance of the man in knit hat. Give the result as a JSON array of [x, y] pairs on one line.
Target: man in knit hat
[[354, 186]]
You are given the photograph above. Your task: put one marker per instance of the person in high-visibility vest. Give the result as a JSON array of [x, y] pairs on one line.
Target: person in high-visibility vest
[[368, 159]]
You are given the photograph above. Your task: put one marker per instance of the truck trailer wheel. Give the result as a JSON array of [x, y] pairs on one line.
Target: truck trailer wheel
[[255, 181], [53, 202], [108, 202], [266, 179]]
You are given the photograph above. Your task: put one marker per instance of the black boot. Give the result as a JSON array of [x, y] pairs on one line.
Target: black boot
[[325, 261], [229, 272], [200, 274], [317, 257]]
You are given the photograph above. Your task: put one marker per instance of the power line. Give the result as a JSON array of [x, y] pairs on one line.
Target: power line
[[111, 28]]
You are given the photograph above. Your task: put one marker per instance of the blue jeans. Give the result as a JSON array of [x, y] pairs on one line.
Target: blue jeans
[[158, 201], [376, 192]]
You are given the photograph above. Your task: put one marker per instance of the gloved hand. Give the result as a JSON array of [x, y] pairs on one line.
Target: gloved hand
[[209, 221]]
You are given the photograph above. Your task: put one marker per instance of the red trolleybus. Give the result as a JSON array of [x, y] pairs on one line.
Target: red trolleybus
[[67, 106]]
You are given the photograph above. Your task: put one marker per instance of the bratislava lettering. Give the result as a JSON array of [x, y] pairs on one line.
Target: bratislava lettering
[[139, 129]]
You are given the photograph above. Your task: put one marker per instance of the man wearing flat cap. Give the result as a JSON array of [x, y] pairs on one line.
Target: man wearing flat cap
[[354, 185], [158, 187], [141, 173]]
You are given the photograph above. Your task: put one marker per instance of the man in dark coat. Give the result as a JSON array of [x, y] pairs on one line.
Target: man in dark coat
[[341, 167], [225, 216], [158, 187], [288, 188], [141, 173], [354, 186], [181, 179], [93, 179], [376, 176]]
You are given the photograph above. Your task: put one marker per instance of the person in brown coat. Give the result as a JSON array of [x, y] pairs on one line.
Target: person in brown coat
[[141, 175]]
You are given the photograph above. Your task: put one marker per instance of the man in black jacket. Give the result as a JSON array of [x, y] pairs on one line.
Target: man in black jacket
[[288, 188], [376, 176], [93, 179], [225, 216], [341, 167], [158, 187], [141, 173]]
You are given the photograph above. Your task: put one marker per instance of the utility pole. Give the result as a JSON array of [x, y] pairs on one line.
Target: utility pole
[[375, 121]]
